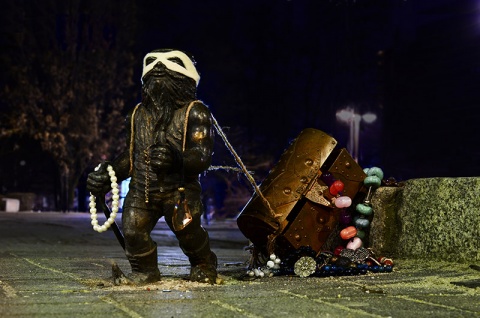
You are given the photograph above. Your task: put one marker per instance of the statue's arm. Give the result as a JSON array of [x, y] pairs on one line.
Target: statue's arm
[[199, 140]]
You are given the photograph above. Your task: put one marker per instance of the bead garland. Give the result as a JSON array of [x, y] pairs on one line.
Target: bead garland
[[272, 267], [354, 234], [304, 262], [348, 259], [115, 199]]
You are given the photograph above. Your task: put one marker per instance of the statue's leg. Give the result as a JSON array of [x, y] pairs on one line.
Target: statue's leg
[[140, 249], [194, 242]]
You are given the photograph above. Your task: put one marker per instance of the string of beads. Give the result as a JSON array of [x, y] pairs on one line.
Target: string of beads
[[115, 199]]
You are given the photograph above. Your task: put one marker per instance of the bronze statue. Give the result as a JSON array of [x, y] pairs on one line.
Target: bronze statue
[[170, 142]]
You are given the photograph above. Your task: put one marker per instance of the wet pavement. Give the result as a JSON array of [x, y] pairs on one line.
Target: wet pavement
[[54, 265]]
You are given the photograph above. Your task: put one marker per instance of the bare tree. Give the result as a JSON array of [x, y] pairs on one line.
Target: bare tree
[[70, 67]]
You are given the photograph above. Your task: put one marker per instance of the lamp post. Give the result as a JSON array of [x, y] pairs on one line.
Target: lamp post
[[353, 119]]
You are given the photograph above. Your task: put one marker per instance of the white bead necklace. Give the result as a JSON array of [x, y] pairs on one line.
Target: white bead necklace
[[115, 198]]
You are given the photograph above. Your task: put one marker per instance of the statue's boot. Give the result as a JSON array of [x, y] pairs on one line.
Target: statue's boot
[[203, 262], [144, 268], [205, 271]]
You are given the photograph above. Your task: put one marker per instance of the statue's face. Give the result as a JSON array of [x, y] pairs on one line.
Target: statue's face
[[169, 81], [157, 63]]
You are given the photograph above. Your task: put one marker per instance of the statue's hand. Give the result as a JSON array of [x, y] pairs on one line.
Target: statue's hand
[[162, 158], [98, 181]]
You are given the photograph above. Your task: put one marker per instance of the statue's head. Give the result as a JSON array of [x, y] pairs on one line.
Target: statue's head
[[174, 62], [169, 81]]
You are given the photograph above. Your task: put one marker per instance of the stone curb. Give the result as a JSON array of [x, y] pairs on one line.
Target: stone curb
[[435, 218]]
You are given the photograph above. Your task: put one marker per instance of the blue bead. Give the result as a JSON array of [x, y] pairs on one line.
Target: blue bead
[[360, 234], [362, 266], [375, 171], [364, 209], [372, 181], [362, 223]]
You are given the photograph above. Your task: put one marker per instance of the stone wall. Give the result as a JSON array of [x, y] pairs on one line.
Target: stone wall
[[436, 218]]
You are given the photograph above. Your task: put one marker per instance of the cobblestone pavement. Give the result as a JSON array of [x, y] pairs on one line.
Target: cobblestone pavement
[[55, 265]]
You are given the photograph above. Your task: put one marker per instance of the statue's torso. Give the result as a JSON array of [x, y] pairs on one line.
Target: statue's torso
[[146, 135]]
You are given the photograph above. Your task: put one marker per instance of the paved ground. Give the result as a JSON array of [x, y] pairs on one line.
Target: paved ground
[[55, 265]]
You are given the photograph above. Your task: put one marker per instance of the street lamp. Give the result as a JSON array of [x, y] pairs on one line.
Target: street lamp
[[353, 119]]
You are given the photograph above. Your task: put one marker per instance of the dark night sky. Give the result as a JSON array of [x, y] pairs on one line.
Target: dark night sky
[[276, 67], [272, 68]]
